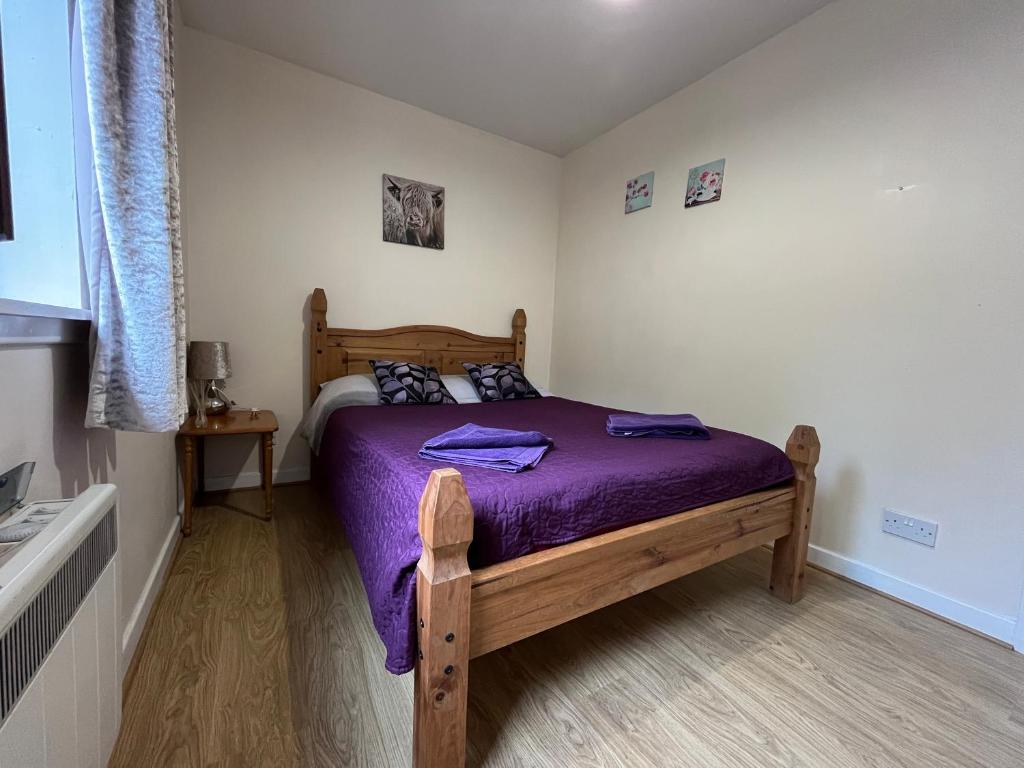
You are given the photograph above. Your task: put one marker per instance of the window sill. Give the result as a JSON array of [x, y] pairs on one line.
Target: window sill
[[23, 323]]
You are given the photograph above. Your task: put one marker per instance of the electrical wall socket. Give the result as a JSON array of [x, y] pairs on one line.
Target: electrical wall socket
[[907, 527]]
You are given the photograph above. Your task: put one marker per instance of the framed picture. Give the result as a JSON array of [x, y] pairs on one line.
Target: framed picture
[[413, 212], [704, 184], [640, 192]]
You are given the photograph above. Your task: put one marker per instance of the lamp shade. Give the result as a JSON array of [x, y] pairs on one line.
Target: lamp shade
[[208, 360]]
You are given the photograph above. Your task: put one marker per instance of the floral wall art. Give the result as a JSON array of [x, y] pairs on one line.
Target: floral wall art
[[705, 184], [640, 192]]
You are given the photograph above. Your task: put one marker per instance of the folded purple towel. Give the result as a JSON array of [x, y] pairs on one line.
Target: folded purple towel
[[503, 449], [682, 426]]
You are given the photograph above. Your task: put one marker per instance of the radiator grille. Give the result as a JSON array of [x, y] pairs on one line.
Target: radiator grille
[[25, 644]]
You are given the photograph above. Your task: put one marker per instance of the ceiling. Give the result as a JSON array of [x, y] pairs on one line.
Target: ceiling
[[551, 74]]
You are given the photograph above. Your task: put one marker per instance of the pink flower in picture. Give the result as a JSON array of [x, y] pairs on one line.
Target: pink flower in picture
[[704, 184], [639, 192]]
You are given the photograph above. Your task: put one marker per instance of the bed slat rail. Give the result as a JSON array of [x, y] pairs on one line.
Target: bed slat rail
[[514, 600]]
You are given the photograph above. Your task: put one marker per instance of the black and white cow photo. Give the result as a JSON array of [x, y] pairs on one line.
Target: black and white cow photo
[[413, 212]]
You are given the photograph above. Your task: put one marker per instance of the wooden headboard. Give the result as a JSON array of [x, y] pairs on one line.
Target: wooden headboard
[[335, 352]]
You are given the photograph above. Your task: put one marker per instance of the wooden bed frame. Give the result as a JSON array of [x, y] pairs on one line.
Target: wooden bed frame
[[462, 613]]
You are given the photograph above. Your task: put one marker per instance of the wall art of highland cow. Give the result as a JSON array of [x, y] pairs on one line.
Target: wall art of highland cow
[[413, 212]]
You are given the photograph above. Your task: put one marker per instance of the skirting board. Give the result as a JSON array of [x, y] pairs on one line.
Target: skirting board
[[252, 479], [1018, 637], [997, 627], [137, 621]]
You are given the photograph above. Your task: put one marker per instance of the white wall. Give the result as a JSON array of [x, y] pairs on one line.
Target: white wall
[[43, 388], [44, 391], [282, 193], [816, 293], [42, 263]]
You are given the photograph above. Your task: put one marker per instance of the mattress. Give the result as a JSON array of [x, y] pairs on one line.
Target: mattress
[[588, 483]]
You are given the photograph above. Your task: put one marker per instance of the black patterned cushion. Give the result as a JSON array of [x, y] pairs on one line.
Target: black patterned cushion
[[500, 381], [409, 383]]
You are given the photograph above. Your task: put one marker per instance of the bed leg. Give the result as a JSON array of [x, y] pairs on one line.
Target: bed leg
[[442, 610], [789, 560]]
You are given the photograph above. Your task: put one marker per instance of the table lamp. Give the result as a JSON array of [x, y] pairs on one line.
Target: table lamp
[[209, 364]]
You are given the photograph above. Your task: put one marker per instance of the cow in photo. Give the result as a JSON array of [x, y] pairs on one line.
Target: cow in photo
[[413, 212]]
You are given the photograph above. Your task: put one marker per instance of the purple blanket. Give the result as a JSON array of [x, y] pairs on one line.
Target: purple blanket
[[684, 426], [503, 449], [590, 483]]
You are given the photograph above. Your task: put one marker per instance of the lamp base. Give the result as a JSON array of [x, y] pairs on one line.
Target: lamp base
[[215, 406], [217, 402], [208, 400]]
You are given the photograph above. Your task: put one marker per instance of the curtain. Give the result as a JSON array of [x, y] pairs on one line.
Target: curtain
[[134, 262]]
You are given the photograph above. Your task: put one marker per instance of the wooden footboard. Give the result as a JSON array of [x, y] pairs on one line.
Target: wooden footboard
[[789, 561], [442, 606], [463, 614]]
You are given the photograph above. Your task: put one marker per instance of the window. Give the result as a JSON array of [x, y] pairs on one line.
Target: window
[[41, 271], [42, 265]]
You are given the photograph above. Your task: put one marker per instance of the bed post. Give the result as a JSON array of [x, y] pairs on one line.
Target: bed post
[[789, 560], [317, 342], [442, 609], [519, 337]]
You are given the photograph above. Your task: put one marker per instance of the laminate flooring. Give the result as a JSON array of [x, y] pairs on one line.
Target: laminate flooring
[[260, 652]]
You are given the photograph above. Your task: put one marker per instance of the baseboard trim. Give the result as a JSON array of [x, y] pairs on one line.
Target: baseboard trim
[[997, 627], [137, 622], [1018, 636], [253, 479]]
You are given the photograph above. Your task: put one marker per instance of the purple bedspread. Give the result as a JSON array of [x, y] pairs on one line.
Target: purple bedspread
[[588, 483]]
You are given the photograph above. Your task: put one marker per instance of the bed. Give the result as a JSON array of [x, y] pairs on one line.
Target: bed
[[490, 558]]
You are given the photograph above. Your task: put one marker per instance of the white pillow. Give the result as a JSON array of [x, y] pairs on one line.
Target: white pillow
[[461, 388], [358, 384], [464, 392], [357, 389]]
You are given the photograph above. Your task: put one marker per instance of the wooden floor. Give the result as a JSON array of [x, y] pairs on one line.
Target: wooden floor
[[260, 652]]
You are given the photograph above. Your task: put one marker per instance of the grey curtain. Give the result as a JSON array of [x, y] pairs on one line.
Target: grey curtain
[[134, 262]]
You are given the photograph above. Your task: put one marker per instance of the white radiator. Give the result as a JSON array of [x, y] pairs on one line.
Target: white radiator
[[60, 675]]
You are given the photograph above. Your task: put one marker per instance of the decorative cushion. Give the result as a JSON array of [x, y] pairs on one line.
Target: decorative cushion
[[500, 381], [409, 383]]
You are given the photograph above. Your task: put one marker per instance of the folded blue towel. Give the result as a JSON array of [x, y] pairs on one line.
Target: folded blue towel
[[682, 426], [503, 449]]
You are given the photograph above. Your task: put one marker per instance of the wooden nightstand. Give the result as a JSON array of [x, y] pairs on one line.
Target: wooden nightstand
[[262, 423]]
